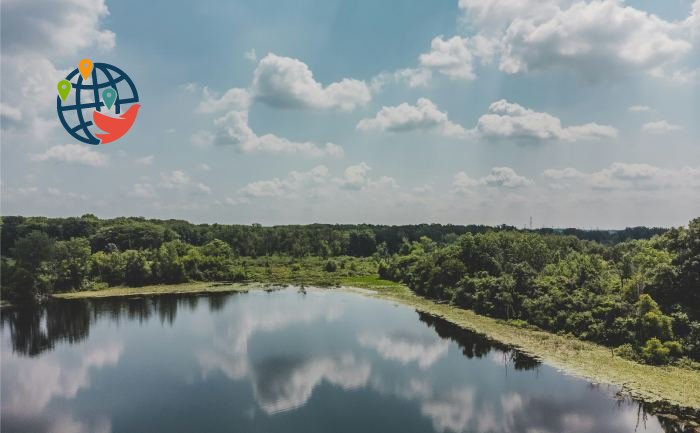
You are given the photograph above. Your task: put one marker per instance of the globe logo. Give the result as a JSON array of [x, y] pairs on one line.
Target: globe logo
[[97, 103]]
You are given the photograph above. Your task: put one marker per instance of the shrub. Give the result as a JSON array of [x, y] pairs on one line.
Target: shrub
[[675, 349], [330, 266], [626, 351], [654, 352]]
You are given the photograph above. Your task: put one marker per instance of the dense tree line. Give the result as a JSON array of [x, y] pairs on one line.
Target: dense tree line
[[640, 296]]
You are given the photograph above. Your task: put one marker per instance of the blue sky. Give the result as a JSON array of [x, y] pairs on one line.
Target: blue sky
[[577, 113]]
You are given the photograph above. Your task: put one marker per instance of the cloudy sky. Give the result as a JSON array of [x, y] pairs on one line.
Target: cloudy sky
[[577, 113]]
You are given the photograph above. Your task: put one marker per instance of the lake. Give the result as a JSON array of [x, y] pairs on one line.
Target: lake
[[282, 361]]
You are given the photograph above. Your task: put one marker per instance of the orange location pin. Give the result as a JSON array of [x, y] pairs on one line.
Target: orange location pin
[[85, 68]]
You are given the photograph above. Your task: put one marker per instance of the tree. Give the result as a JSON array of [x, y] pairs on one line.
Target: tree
[[71, 264], [651, 322], [137, 268], [108, 267], [362, 243]]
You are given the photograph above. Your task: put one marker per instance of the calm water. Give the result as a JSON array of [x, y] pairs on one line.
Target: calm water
[[324, 361]]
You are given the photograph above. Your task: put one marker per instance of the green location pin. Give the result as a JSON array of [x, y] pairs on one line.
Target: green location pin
[[109, 95], [64, 88]]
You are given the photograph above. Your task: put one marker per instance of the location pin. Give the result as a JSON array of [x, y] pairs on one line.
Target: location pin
[[85, 67], [64, 88], [109, 95]]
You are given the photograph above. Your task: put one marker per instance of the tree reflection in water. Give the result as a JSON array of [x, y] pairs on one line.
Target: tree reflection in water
[[35, 329], [475, 345]]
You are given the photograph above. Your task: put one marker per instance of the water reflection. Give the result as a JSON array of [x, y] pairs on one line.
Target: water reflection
[[283, 361]]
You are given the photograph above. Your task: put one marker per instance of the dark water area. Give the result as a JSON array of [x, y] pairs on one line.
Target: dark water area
[[284, 361]]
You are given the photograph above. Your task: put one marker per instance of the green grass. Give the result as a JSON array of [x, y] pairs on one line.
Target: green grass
[[157, 289], [668, 384]]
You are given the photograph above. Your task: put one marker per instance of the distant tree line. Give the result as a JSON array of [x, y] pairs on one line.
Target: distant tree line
[[640, 296]]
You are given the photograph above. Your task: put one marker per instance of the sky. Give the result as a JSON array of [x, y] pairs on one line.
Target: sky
[[575, 113]]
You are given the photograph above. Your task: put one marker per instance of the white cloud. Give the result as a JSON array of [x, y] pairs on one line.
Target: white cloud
[[406, 349], [423, 116], [317, 182], [233, 99], [145, 160], [251, 55], [455, 57], [355, 176], [233, 129], [203, 167], [620, 175], [592, 38], [78, 154], [8, 112], [294, 182], [451, 57], [595, 39], [660, 127], [35, 35], [412, 77], [289, 83], [174, 180], [54, 27], [507, 120], [504, 177], [558, 174]]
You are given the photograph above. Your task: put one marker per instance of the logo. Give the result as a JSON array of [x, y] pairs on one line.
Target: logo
[[97, 103]]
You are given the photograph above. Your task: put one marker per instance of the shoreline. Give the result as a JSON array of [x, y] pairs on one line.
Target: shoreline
[[657, 385]]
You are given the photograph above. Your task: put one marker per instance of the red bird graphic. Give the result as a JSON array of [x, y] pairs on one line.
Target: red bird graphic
[[114, 127]]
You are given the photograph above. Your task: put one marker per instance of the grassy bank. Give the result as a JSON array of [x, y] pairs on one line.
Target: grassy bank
[[671, 385]]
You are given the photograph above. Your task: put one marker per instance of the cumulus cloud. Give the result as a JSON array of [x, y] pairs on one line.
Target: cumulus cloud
[[233, 129], [406, 349], [507, 120], [35, 35], [423, 116], [660, 127], [77, 154], [455, 57], [10, 113], [412, 77], [289, 83], [620, 175], [51, 27], [174, 180], [233, 99], [295, 181], [316, 182], [590, 37], [566, 173], [595, 39], [500, 177]]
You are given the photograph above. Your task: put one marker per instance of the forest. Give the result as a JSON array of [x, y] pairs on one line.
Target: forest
[[635, 290]]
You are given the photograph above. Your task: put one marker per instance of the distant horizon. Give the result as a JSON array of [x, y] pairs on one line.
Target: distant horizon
[[493, 225]]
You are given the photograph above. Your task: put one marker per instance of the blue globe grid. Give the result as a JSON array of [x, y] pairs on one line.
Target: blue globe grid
[[87, 97]]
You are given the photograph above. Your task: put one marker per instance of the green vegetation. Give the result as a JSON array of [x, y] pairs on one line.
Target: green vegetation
[[640, 296], [636, 291]]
